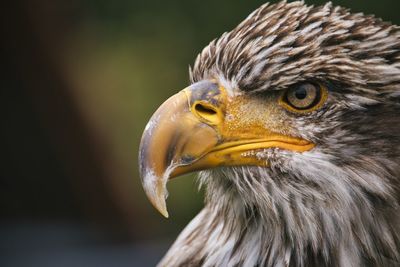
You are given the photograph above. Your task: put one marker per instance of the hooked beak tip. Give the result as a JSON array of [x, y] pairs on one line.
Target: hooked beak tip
[[156, 191]]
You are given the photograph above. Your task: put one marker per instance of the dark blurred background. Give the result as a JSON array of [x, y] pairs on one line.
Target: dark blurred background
[[79, 80]]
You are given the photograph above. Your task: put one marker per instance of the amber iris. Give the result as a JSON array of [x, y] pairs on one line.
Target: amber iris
[[304, 97]]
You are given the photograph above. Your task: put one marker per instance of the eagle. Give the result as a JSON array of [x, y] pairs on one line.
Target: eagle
[[292, 120]]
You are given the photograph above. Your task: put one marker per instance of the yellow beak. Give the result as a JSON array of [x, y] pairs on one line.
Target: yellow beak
[[194, 130]]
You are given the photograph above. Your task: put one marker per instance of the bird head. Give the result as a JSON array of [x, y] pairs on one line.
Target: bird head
[[293, 115]]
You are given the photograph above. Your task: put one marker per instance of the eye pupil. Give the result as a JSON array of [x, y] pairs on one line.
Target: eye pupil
[[301, 93]]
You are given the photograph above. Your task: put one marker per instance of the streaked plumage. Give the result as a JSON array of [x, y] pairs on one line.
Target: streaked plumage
[[336, 205]]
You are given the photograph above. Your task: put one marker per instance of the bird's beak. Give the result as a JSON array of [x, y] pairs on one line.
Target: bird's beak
[[201, 128]]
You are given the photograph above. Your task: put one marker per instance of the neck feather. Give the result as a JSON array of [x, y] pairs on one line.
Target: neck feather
[[279, 226]]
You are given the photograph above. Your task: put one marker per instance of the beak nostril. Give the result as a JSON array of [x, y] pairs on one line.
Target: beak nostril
[[207, 112], [204, 109]]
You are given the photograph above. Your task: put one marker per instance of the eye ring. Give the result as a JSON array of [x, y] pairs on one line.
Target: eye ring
[[304, 97]]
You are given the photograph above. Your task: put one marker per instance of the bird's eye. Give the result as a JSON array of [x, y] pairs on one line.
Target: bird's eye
[[305, 97]]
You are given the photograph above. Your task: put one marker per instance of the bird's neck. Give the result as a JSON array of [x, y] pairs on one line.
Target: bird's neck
[[229, 232]]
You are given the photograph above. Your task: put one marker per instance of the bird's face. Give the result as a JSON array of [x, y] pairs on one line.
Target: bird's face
[[276, 135], [279, 114]]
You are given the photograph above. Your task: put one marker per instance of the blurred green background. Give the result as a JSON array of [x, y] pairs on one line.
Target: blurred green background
[[79, 80]]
